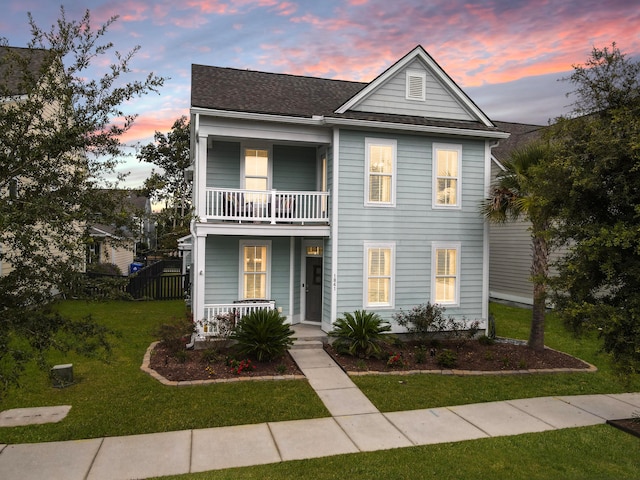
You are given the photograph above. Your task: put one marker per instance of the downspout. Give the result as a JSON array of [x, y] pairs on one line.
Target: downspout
[[334, 226], [485, 236], [195, 128]]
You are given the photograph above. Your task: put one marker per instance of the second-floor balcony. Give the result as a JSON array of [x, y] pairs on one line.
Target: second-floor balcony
[[272, 206]]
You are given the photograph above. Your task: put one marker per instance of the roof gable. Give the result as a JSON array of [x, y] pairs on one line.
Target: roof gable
[[387, 93]]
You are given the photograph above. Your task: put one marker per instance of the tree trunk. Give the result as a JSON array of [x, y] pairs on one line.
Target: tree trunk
[[539, 271]]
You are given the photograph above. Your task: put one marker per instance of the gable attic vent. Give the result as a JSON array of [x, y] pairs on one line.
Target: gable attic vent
[[416, 85]]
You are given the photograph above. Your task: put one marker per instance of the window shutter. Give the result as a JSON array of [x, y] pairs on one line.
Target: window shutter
[[416, 85]]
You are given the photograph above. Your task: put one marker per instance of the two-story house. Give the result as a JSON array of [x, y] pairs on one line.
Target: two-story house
[[318, 197]]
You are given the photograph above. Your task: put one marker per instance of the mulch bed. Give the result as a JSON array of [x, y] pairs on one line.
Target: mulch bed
[[628, 425], [472, 355], [199, 365]]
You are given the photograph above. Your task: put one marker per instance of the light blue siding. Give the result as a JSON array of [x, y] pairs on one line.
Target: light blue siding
[[222, 270], [294, 168], [391, 98], [412, 224], [223, 165]]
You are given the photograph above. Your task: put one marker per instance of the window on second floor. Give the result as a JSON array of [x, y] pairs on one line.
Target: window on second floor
[[381, 172], [379, 273], [447, 164], [256, 169]]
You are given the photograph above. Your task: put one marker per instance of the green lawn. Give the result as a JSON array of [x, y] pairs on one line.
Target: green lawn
[[117, 398], [599, 452]]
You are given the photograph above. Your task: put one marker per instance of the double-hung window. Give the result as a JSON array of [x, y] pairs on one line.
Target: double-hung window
[[254, 269], [256, 174], [380, 184], [447, 163], [445, 277], [379, 274]]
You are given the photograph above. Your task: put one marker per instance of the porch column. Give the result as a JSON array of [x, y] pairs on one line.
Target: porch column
[[200, 176], [197, 289]]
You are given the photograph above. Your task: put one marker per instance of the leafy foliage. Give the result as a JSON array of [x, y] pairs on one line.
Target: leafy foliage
[[60, 134], [599, 159], [360, 334], [263, 335], [170, 152], [528, 189], [423, 320]]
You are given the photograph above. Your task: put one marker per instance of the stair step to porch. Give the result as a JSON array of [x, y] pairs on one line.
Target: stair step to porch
[[301, 344]]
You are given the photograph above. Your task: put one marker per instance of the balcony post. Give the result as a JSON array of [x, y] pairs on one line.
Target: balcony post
[[273, 207]]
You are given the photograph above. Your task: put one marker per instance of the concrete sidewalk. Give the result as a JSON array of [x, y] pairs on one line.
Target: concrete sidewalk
[[172, 453], [355, 426]]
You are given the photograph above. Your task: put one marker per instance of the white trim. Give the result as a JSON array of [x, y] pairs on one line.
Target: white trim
[[258, 242], [434, 170], [431, 129], [365, 273], [439, 73], [292, 271], [435, 246], [335, 201], [336, 122], [422, 76], [383, 142], [256, 145]]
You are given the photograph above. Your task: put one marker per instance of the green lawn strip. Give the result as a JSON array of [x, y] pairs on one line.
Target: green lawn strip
[[598, 452], [117, 398], [393, 393]]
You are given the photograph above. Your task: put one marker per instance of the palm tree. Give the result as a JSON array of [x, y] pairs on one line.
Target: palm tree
[[521, 191]]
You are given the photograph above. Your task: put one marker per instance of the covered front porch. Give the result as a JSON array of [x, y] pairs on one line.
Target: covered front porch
[[240, 274]]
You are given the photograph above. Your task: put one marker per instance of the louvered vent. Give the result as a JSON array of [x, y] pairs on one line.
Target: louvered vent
[[416, 85]]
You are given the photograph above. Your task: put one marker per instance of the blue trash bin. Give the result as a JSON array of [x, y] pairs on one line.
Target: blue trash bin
[[135, 266]]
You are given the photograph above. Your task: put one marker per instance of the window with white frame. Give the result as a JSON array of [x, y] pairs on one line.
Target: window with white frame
[[445, 277], [379, 274], [447, 162], [254, 270], [381, 171]]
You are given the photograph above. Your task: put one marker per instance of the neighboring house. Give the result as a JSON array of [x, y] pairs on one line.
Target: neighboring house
[[511, 254], [16, 64], [318, 197], [110, 246], [118, 246]]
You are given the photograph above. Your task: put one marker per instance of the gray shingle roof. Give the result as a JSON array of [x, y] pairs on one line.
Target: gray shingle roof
[[521, 134], [272, 93], [249, 91]]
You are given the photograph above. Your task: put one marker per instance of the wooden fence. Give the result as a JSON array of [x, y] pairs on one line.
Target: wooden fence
[[158, 281]]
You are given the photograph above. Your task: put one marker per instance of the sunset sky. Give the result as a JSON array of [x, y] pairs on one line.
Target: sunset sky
[[507, 55]]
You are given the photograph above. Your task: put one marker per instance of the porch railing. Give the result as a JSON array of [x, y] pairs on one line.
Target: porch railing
[[220, 318], [273, 206]]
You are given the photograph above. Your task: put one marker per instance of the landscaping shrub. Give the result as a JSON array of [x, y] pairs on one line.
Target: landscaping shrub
[[424, 320], [361, 334], [262, 335], [175, 335], [447, 358]]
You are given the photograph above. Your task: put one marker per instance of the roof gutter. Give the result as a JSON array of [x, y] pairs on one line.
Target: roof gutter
[[416, 128], [321, 121]]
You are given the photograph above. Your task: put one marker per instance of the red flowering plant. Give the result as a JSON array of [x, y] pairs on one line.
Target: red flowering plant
[[239, 366], [395, 360]]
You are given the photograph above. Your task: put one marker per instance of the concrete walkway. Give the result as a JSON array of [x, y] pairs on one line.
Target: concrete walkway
[[355, 426]]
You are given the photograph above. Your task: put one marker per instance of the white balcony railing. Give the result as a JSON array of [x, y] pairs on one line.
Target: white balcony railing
[[273, 206], [220, 318]]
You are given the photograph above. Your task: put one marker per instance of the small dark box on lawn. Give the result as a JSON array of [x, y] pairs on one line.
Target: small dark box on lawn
[[62, 375]]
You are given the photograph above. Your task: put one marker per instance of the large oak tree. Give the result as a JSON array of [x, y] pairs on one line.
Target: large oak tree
[[60, 136]]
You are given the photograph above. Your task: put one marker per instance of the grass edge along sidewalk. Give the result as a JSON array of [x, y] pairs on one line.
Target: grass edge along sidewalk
[[117, 398]]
